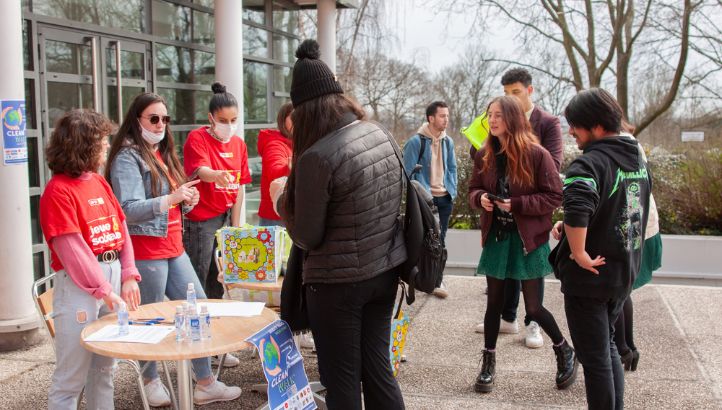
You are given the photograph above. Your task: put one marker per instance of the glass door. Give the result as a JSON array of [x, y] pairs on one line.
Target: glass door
[[122, 85]]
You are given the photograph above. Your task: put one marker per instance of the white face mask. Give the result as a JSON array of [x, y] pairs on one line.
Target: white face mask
[[151, 137], [224, 131]]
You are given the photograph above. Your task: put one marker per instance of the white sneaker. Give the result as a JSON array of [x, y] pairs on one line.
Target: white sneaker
[[157, 394], [441, 292], [504, 327], [216, 391], [307, 341], [231, 361], [533, 339]]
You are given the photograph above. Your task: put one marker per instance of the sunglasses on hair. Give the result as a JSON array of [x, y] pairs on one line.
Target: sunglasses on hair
[[155, 118]]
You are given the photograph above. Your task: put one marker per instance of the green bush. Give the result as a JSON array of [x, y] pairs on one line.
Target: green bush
[[463, 217]]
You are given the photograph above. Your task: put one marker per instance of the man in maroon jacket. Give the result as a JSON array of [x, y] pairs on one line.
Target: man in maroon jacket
[[517, 83]]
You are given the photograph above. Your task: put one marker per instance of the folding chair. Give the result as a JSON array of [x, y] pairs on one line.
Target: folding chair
[[44, 306]]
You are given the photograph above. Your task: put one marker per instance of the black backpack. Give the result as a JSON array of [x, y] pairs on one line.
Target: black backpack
[[426, 257]]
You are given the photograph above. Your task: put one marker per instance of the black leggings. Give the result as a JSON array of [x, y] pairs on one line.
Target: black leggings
[[532, 304], [624, 328]]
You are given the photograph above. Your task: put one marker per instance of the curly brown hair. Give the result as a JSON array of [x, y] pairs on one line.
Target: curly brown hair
[[76, 142]]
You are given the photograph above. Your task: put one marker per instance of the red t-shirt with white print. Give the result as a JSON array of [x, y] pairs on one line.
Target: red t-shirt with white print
[[203, 150], [81, 205]]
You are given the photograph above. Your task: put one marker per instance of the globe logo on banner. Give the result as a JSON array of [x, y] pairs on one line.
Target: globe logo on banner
[[15, 148]]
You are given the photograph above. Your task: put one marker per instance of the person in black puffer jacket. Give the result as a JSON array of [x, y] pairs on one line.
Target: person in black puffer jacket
[[341, 205]]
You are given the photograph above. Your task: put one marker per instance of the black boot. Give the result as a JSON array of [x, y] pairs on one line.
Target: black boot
[[566, 365], [485, 379]]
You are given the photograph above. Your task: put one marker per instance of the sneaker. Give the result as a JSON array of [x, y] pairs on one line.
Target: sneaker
[[441, 292], [306, 341], [504, 327], [231, 361], [157, 394], [216, 391], [533, 339]]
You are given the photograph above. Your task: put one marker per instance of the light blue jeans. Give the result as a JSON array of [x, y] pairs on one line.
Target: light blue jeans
[[170, 277], [270, 222], [75, 367]]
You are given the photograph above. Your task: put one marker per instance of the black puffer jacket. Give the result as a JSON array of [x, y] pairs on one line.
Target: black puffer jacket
[[347, 198]]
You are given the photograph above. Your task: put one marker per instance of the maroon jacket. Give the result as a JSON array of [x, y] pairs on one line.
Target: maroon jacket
[[532, 207]]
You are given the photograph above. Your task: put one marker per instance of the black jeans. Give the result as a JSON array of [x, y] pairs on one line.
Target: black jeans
[[351, 325], [591, 325], [445, 205], [512, 289]]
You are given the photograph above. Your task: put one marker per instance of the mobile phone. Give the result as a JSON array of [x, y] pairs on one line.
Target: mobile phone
[[494, 198]]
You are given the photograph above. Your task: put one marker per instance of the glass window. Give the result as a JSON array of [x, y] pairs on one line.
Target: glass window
[[254, 10], [203, 28], [30, 104], [255, 95], [123, 14], [129, 94], [27, 47], [255, 41], [251, 139], [66, 96], [179, 137], [183, 65], [33, 162], [206, 3], [68, 58], [39, 266], [187, 106], [282, 77], [35, 230], [132, 64], [285, 19], [284, 48], [171, 21]]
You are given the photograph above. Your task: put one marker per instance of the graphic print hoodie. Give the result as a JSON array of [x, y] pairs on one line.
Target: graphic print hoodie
[[607, 191]]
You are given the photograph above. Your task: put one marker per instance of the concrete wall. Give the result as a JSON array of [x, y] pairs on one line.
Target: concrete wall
[[698, 257]]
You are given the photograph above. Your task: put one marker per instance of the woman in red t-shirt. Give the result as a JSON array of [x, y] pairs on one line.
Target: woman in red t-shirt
[[149, 182], [219, 158], [275, 148], [85, 229]]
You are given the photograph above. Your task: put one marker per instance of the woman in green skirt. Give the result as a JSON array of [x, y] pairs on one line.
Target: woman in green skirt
[[516, 185]]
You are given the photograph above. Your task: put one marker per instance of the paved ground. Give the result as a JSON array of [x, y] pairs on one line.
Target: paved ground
[[678, 332]]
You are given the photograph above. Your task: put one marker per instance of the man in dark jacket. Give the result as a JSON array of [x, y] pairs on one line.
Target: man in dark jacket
[[606, 200], [517, 82]]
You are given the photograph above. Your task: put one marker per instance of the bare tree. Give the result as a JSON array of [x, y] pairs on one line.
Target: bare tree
[[598, 40]]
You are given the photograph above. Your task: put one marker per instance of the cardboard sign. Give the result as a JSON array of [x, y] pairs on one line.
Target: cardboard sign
[[15, 145], [251, 254], [288, 387]]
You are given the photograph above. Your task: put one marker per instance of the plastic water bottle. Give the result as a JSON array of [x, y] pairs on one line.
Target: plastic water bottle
[[186, 321], [205, 319], [180, 323], [191, 295], [195, 325], [123, 325]]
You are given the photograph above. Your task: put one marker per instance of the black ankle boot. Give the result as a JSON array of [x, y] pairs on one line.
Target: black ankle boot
[[566, 365], [485, 379]]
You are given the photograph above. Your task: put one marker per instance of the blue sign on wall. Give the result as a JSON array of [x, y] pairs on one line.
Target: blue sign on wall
[[288, 387], [15, 146]]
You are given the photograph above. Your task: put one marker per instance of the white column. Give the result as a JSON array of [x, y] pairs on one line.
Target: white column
[[18, 319], [327, 32], [229, 56]]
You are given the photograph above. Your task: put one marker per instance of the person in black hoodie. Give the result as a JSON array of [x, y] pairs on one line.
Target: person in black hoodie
[[606, 200]]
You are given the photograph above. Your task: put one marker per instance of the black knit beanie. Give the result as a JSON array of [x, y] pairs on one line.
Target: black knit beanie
[[311, 77]]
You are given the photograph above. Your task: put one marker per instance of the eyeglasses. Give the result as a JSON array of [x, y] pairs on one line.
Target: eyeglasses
[[155, 118]]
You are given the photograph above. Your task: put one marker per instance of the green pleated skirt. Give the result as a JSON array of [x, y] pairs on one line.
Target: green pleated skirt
[[651, 260], [505, 259]]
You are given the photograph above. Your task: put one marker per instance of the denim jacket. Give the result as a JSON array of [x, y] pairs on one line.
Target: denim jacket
[[130, 178], [411, 154]]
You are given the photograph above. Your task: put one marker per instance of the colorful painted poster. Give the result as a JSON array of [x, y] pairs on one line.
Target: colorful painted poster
[[399, 329], [15, 145], [251, 254], [288, 387]]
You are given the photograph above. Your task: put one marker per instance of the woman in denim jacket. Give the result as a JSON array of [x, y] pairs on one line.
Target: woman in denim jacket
[[150, 185]]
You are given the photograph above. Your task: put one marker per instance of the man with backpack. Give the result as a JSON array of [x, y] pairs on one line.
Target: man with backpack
[[433, 149]]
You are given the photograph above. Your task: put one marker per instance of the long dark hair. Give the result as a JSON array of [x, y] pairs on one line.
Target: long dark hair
[[313, 120], [516, 144], [130, 130]]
